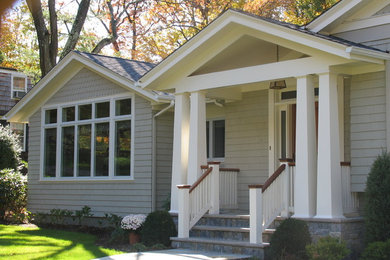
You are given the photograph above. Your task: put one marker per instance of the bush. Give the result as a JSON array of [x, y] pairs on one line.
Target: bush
[[290, 239], [327, 248], [377, 207], [9, 149], [13, 194], [377, 251], [158, 228]]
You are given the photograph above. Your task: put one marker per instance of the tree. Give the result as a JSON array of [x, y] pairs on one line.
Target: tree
[[303, 11]]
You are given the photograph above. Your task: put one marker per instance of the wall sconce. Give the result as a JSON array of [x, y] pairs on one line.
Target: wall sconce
[[280, 84]]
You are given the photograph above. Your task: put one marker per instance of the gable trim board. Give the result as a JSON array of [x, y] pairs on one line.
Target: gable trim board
[[65, 70], [206, 45]]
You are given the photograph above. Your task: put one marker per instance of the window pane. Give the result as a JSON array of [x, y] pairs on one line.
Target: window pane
[[49, 167], [101, 149], [283, 132], [84, 151], [122, 148], [18, 129], [51, 116], [67, 155], [123, 107], [219, 138], [68, 114], [102, 109], [19, 84], [85, 112]]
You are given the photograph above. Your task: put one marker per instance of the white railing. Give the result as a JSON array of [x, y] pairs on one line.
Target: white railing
[[195, 200], [268, 201], [228, 188], [350, 199], [291, 171]]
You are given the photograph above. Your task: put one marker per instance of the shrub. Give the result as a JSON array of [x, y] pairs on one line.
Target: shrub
[[327, 248], [377, 251], [158, 228], [290, 239], [117, 235], [13, 193], [9, 149], [377, 207]]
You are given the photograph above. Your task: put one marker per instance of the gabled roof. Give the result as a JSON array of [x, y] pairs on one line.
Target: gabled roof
[[130, 69], [279, 31], [123, 72]]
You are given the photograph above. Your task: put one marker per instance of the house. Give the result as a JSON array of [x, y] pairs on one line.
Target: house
[[270, 119], [96, 139], [13, 86]]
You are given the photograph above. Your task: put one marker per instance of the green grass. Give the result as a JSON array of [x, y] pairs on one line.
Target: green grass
[[18, 242]]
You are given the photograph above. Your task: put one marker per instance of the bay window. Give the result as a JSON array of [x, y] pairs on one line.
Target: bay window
[[88, 140]]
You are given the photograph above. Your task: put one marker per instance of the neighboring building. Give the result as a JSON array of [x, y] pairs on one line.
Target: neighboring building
[[13, 86], [302, 110]]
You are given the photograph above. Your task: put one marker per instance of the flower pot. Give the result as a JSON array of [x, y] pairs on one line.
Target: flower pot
[[134, 238]]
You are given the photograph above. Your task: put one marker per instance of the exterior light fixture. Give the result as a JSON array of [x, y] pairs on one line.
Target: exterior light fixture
[[279, 84]]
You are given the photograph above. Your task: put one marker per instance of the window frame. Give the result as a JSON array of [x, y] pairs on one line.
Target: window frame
[[210, 147], [18, 75], [111, 119]]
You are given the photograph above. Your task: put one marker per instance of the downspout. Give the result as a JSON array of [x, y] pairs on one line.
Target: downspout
[[154, 164]]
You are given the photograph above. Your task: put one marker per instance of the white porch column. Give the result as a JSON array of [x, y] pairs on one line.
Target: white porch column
[[305, 178], [180, 146], [329, 197], [197, 155]]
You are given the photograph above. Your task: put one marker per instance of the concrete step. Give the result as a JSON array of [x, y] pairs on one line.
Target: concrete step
[[221, 246], [231, 233]]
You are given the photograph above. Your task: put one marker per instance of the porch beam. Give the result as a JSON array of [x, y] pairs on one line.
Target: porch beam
[[253, 74], [306, 174], [329, 202], [180, 147], [197, 155]]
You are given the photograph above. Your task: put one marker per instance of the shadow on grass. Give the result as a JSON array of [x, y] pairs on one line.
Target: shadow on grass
[[54, 243]]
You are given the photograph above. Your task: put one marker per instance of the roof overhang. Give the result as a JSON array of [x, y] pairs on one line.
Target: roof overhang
[[234, 24], [65, 70]]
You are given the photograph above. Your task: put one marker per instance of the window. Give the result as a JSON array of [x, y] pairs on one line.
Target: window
[[215, 139], [85, 141], [21, 131], [18, 86]]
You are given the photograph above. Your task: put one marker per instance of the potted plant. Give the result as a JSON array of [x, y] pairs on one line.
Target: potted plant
[[133, 223]]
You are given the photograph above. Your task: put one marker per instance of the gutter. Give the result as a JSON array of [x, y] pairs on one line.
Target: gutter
[[154, 143], [371, 53]]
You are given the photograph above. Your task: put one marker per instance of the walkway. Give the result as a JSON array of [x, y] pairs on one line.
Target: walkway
[[174, 254]]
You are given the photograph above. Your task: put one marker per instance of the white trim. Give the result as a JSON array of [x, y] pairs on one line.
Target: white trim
[[362, 24], [112, 119], [18, 75]]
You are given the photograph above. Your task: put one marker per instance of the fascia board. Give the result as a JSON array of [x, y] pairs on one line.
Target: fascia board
[[333, 14]]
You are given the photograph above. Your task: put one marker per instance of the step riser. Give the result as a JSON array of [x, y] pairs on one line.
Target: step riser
[[228, 235], [198, 246], [223, 222]]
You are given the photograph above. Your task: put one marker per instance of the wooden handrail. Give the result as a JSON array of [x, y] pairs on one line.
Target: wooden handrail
[[204, 167], [273, 177], [291, 164], [201, 178], [345, 163]]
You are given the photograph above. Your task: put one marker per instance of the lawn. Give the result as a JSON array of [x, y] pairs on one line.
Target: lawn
[[19, 242]]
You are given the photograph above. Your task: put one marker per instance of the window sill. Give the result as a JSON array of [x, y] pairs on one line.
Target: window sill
[[87, 179]]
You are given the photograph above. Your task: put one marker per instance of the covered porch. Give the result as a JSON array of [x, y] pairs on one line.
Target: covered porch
[[226, 73]]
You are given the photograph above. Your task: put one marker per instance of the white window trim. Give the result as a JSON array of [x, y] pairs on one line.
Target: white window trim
[[210, 147], [111, 119], [19, 75]]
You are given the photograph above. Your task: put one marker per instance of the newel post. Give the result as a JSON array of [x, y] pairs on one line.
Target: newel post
[[215, 188], [184, 211], [286, 190], [256, 214]]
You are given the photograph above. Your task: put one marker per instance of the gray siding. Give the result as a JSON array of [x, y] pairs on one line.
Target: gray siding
[[377, 37], [164, 143], [368, 126], [246, 141], [119, 197]]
